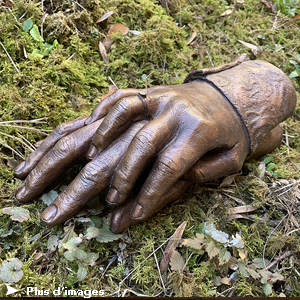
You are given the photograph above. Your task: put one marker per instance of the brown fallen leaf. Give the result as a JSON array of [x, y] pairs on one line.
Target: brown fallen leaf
[[105, 16], [226, 280], [241, 209], [103, 52], [191, 38], [235, 199], [226, 13], [228, 180], [270, 4], [296, 18], [37, 255], [116, 28], [255, 49], [173, 243], [176, 261]]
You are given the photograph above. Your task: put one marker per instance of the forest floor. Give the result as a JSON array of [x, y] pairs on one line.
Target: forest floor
[[242, 234]]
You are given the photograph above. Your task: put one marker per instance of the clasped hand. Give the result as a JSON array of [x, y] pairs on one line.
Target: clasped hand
[[170, 135]]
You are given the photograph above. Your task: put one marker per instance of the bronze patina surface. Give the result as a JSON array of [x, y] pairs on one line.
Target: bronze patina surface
[[194, 132]]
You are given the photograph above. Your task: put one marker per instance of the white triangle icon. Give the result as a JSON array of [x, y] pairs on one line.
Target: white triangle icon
[[10, 290]]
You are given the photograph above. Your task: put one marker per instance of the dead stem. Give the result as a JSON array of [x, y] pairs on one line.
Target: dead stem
[[17, 139], [10, 58], [41, 131], [280, 258]]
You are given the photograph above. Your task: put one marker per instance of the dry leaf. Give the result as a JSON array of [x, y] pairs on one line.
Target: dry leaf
[[226, 12], [164, 3], [105, 16], [226, 280], [241, 209], [254, 49], [173, 243], [194, 34], [296, 18], [37, 255], [261, 169], [176, 261], [269, 4], [195, 243], [108, 41], [19, 214], [103, 52], [228, 180], [240, 1], [235, 199]]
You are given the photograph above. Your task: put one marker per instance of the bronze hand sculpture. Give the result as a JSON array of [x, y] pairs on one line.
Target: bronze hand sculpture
[[194, 132]]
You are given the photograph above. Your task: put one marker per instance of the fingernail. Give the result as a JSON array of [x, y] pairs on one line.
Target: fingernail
[[113, 197], [137, 212], [88, 120], [92, 152], [120, 222], [49, 213], [20, 167], [20, 192]]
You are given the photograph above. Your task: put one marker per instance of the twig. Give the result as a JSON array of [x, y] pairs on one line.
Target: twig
[[12, 14], [17, 139], [10, 58], [113, 82], [41, 131], [265, 245], [10, 148], [72, 55], [144, 260], [78, 4], [30, 144], [277, 260], [231, 293], [27, 121], [161, 279], [133, 292], [209, 58]]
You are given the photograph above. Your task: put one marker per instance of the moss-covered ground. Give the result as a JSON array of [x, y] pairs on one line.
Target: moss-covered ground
[[68, 81]]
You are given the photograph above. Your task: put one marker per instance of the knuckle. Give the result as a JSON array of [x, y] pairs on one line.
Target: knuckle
[[148, 192], [122, 105], [60, 129], [89, 175], [167, 165], [121, 177], [235, 161], [64, 146], [144, 140]]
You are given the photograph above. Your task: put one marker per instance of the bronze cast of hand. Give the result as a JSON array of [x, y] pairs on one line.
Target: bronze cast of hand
[[197, 131], [67, 145], [189, 133]]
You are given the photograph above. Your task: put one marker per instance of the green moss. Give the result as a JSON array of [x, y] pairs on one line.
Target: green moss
[[67, 83]]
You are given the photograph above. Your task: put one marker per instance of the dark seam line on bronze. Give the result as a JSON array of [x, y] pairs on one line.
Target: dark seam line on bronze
[[199, 78], [146, 111]]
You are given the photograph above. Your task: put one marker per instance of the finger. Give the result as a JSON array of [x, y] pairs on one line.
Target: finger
[[120, 117], [270, 142], [92, 179], [171, 164], [22, 170], [214, 164], [144, 146], [121, 217], [108, 102], [67, 151], [38, 144]]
